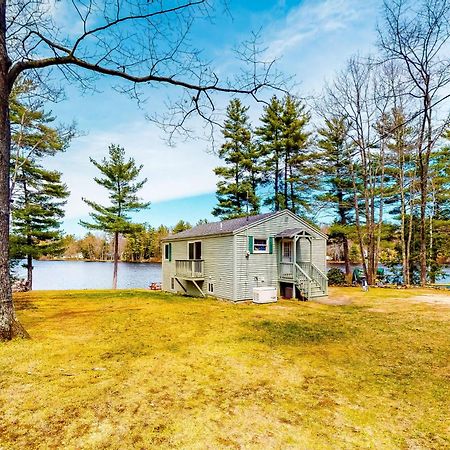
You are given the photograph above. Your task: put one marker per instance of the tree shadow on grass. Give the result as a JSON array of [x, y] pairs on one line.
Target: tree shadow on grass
[[293, 332]]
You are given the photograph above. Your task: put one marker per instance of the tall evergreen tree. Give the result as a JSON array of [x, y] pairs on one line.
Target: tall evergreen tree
[[236, 189], [297, 156], [34, 135], [400, 182], [439, 214], [270, 134], [38, 195], [334, 161], [120, 179], [287, 161]]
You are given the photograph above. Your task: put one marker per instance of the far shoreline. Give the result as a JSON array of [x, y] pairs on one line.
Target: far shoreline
[[151, 261]]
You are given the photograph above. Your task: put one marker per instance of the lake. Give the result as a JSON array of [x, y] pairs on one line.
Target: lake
[[444, 279], [98, 275], [91, 275]]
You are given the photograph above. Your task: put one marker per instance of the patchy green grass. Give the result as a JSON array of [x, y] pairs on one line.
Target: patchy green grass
[[139, 369]]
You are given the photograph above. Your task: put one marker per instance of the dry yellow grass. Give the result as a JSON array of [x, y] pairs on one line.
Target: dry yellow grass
[[138, 369]]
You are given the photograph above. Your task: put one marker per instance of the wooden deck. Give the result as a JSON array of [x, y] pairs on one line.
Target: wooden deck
[[190, 269]]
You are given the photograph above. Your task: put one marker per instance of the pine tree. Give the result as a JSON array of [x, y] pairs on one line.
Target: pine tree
[[236, 190], [271, 141], [439, 215], [297, 156], [180, 226], [33, 133], [336, 186], [401, 188], [287, 159], [38, 195], [120, 179]]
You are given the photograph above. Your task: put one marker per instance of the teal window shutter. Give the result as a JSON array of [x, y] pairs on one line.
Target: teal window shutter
[[170, 251], [270, 244], [250, 244]]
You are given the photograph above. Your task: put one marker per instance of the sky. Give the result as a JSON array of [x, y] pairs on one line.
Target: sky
[[311, 40]]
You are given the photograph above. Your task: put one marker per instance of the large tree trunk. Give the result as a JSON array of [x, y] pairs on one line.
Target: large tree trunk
[[7, 316], [6, 305], [116, 259], [9, 326]]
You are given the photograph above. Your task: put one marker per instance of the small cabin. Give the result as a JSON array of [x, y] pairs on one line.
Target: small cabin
[[228, 259]]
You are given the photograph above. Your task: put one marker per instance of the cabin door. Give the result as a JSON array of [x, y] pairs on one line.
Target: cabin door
[[287, 253], [287, 258]]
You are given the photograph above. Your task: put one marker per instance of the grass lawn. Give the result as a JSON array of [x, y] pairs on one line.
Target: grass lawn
[[139, 369]]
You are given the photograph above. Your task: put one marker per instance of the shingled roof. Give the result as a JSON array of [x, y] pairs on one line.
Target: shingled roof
[[214, 228]]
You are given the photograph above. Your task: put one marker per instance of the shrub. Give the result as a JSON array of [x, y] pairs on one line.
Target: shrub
[[336, 277]]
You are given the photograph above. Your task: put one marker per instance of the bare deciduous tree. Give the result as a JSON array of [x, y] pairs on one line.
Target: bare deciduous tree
[[417, 36], [138, 41], [352, 95]]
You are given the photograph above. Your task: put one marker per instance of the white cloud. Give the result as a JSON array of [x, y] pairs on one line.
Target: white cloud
[[313, 18], [317, 37], [172, 172]]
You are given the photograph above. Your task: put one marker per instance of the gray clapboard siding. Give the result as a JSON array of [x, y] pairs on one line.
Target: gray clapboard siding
[[227, 262], [218, 256], [217, 253], [265, 266]]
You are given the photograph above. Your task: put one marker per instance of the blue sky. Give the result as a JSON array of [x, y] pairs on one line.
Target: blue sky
[[312, 39]]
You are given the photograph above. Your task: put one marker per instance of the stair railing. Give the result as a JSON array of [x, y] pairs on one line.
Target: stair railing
[[301, 277], [320, 278]]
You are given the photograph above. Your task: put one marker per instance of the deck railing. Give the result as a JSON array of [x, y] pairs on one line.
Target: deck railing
[[287, 270], [189, 268]]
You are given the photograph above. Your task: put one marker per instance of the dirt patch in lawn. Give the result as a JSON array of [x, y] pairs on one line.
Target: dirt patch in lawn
[[436, 298], [340, 301]]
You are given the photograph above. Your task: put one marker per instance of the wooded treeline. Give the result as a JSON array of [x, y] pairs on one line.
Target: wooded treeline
[[372, 152], [141, 245]]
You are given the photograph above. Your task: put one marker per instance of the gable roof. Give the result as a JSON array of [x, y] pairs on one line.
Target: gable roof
[[233, 225], [224, 227]]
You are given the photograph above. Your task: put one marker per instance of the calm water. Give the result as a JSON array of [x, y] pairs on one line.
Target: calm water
[[98, 275], [445, 279], [92, 275]]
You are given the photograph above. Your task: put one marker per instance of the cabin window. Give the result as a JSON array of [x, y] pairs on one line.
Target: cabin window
[[260, 245], [168, 251], [195, 250], [211, 288]]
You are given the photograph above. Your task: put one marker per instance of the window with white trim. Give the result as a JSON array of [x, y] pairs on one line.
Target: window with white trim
[[195, 250], [211, 288], [260, 245]]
